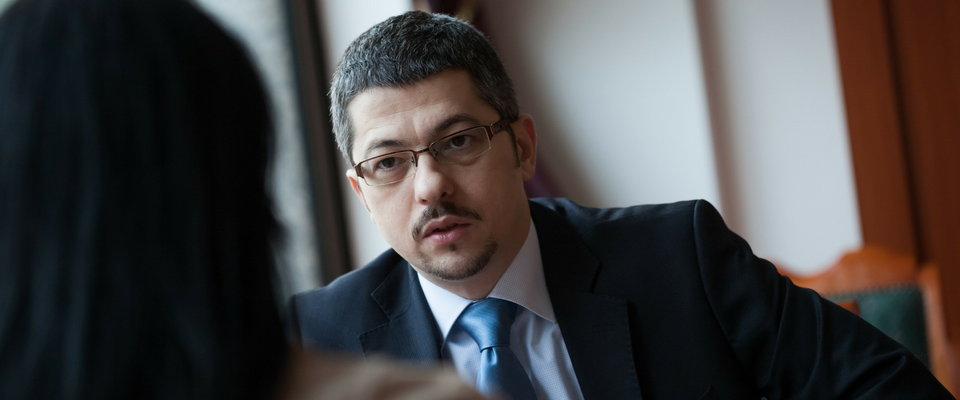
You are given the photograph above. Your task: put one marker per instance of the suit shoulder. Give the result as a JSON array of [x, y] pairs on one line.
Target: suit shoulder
[[586, 219], [354, 284], [330, 318]]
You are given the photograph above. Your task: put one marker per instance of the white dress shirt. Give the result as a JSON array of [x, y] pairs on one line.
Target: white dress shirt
[[534, 337]]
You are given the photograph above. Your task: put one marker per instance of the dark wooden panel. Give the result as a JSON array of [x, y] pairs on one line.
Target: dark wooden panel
[[873, 119], [926, 35]]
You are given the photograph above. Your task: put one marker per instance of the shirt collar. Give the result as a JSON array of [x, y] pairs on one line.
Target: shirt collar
[[522, 283]]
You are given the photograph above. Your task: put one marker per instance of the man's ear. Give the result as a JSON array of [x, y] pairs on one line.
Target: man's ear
[[355, 184], [526, 135]]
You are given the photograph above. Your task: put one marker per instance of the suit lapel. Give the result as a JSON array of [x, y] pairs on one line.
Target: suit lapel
[[595, 328], [411, 332]]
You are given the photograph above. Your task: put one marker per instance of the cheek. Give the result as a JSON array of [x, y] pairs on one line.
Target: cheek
[[391, 217], [494, 193]]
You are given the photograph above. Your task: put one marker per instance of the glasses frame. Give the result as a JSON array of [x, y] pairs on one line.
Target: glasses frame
[[491, 130]]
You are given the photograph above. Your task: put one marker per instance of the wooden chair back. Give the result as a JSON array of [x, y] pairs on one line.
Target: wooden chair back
[[869, 270]]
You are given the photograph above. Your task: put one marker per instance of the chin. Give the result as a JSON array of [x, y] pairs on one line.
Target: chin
[[456, 269]]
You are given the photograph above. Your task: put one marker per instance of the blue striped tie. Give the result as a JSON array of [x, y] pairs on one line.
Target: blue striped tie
[[488, 322]]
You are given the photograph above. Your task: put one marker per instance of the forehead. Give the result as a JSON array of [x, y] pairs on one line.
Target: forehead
[[407, 117]]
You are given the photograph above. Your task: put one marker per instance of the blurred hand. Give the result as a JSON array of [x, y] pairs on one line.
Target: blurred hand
[[342, 378]]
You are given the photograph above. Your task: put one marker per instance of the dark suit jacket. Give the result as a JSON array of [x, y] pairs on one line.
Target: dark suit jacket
[[654, 302]]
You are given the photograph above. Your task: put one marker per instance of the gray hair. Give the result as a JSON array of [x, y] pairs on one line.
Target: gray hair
[[411, 47]]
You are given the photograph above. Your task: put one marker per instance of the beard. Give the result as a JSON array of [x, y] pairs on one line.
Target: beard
[[452, 271], [458, 270]]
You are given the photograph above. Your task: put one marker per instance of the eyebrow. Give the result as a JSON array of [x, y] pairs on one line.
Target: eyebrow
[[437, 131], [379, 144]]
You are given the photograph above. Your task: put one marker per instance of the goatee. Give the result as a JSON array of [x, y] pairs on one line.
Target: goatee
[[454, 272]]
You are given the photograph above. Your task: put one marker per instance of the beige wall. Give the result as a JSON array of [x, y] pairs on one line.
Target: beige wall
[[779, 127], [617, 92]]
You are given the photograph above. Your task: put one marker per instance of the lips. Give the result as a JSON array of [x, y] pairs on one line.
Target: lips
[[443, 226], [444, 223], [445, 230]]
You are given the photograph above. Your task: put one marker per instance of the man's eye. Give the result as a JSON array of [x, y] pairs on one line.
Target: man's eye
[[387, 163], [460, 142]]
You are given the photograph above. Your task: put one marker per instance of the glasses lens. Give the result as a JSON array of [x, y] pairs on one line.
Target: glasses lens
[[463, 146], [388, 168]]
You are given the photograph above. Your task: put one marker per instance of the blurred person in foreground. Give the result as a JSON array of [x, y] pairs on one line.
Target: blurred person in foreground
[[654, 301], [135, 227]]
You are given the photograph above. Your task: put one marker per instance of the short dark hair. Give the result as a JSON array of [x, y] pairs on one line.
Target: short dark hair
[[411, 47], [135, 242]]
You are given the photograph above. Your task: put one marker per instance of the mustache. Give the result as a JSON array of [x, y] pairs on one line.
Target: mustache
[[440, 210]]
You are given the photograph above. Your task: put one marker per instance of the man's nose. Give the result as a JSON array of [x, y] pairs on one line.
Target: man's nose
[[431, 182]]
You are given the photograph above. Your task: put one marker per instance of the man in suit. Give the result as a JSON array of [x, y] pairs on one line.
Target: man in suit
[[548, 299]]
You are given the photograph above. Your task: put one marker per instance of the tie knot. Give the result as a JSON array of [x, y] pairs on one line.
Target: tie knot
[[488, 322]]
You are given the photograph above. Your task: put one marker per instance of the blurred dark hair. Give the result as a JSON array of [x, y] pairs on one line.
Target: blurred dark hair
[[409, 48], [135, 226]]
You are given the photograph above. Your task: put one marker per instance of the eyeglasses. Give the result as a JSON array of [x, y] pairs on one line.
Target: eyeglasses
[[455, 148]]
